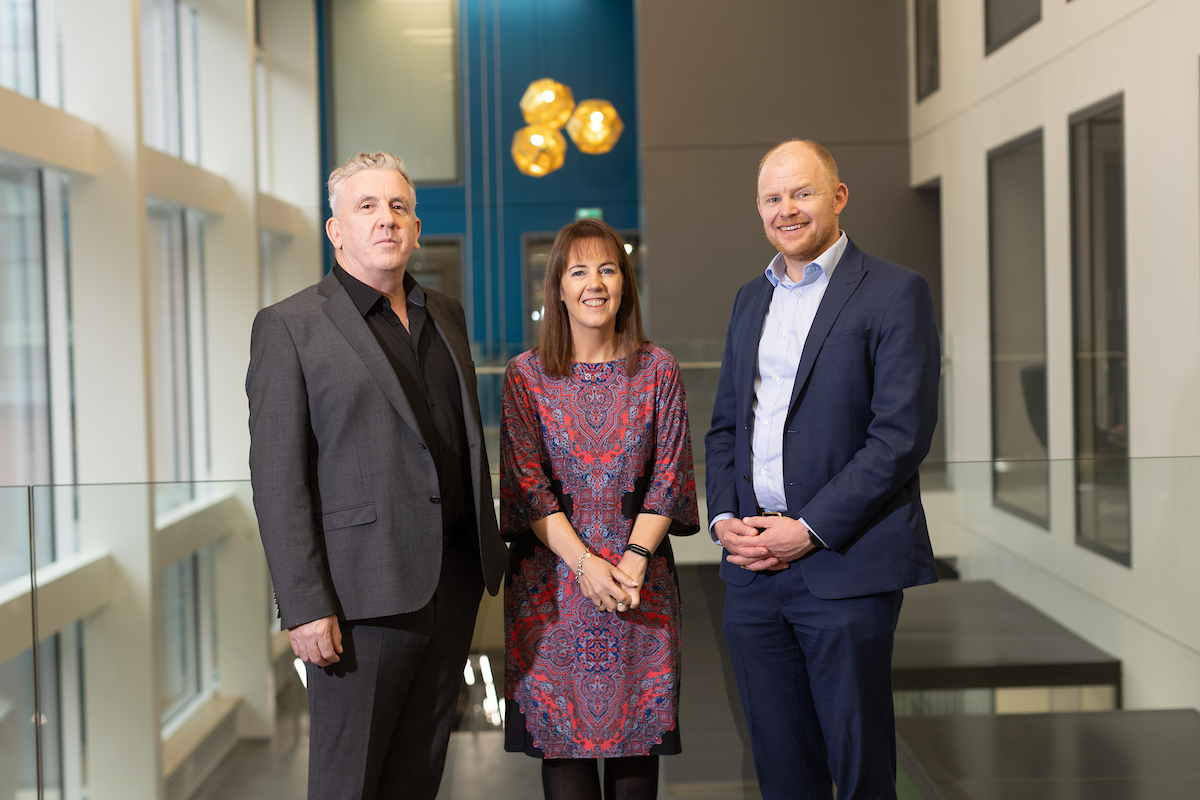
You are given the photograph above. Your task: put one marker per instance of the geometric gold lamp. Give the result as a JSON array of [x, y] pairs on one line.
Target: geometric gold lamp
[[595, 127], [547, 102], [538, 150]]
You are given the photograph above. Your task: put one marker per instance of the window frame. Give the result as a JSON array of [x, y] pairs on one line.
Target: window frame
[[1078, 118], [1012, 145], [922, 91], [990, 46]]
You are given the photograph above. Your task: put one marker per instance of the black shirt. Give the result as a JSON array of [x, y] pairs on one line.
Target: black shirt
[[426, 372]]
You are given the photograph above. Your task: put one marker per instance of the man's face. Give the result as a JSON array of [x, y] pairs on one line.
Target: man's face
[[375, 229], [799, 203]]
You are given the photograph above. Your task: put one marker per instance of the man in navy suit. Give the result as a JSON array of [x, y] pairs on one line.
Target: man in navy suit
[[825, 408]]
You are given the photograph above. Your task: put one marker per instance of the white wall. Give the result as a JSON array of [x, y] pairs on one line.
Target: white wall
[[1082, 52]]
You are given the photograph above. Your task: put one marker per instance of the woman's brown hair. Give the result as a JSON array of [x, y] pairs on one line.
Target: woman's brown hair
[[557, 350]]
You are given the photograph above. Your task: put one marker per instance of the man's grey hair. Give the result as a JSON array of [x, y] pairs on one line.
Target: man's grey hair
[[378, 160]]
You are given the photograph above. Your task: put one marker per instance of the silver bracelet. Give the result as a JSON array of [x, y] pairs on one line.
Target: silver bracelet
[[579, 566]]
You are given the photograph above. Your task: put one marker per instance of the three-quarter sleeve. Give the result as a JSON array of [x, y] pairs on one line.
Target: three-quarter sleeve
[[672, 489], [525, 494]]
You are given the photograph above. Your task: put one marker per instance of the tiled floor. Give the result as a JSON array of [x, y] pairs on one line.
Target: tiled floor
[[477, 767]]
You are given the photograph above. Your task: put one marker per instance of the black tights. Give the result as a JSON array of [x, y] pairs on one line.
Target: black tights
[[577, 779]]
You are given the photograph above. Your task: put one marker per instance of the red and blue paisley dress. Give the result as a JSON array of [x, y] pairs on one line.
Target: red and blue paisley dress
[[601, 446]]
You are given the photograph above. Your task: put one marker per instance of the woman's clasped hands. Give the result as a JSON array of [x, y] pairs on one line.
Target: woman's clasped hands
[[608, 586]]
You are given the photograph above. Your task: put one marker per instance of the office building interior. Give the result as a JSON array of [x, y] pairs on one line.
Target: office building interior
[[162, 168]]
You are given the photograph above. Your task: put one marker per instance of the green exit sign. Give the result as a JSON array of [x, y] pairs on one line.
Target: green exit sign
[[589, 213]]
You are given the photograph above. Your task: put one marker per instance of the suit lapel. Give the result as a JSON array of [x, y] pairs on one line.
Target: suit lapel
[[748, 357], [846, 277], [346, 317]]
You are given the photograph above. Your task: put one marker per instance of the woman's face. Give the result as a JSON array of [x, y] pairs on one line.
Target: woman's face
[[591, 286]]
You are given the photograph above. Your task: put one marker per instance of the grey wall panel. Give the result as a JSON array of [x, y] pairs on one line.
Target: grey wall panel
[[723, 81], [758, 71], [705, 238]]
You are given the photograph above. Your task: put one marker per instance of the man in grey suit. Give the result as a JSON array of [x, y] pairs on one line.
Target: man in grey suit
[[373, 493]]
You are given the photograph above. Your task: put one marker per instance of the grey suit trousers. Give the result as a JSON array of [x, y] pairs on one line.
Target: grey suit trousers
[[381, 717]]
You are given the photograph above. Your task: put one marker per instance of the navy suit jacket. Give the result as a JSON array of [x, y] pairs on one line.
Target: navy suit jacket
[[862, 413]]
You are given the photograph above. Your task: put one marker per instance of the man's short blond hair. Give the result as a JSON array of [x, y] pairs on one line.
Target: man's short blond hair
[[816, 149], [377, 160]]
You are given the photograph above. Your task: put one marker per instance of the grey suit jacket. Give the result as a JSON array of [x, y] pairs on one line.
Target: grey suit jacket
[[345, 490]]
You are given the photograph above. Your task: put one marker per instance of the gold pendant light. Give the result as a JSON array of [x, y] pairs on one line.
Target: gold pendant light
[[595, 127], [538, 150], [547, 102]]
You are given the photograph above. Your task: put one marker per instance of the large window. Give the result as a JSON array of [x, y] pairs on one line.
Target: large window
[[36, 407], [18, 53], [1007, 18], [187, 659], [1017, 270], [1101, 358], [24, 376], [170, 105], [928, 74], [406, 53], [36, 447], [178, 375], [30, 49]]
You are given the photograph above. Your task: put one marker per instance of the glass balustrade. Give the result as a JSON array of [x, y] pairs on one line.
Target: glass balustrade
[[137, 591]]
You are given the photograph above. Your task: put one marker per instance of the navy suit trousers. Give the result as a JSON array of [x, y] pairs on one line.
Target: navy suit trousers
[[816, 685]]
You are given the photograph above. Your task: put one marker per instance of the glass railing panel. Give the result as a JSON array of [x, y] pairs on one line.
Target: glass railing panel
[[19, 708], [55, 537], [1069, 580]]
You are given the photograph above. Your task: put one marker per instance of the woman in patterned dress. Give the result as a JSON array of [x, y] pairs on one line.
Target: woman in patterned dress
[[596, 470]]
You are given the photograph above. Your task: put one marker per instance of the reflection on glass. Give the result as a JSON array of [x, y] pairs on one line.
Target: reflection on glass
[[1101, 365], [1017, 269], [537, 256], [25, 444], [926, 28], [943, 702], [18, 745], [1007, 18], [437, 265], [18, 733], [407, 53]]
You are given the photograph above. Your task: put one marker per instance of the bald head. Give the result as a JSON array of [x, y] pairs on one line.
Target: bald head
[[794, 146]]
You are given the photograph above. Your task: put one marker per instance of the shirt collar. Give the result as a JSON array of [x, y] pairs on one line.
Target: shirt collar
[[826, 262], [366, 298]]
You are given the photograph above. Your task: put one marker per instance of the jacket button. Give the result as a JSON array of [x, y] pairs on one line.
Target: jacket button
[[421, 445], [435, 500], [746, 478]]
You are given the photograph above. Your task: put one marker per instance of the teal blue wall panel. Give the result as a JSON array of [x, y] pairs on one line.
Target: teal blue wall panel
[[505, 44]]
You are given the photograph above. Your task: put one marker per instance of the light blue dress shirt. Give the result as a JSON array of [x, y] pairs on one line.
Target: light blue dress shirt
[[785, 330]]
